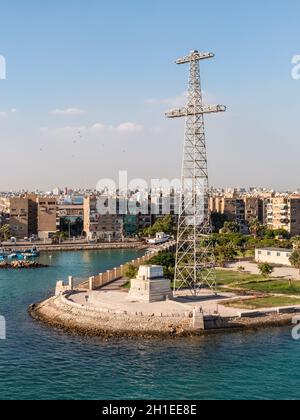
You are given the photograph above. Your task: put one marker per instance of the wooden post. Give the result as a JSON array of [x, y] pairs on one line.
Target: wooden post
[[71, 282]]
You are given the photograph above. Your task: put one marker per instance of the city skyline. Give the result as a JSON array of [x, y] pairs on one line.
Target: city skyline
[[71, 121]]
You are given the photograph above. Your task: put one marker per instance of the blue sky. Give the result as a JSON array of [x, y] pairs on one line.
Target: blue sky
[[88, 83]]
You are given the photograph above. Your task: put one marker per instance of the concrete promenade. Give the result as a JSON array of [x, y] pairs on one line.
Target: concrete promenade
[[117, 301]]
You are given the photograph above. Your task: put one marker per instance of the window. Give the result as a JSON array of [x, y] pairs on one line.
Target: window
[[278, 254], [269, 253], [259, 252]]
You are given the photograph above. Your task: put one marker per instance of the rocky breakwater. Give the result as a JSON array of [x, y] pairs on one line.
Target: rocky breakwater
[[17, 265], [61, 312]]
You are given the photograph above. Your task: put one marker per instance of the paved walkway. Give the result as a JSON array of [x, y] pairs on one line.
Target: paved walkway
[[118, 301]]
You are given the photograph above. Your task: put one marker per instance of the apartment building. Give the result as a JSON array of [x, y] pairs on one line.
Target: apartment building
[[14, 212], [100, 226], [47, 218], [70, 218], [232, 206], [32, 214], [283, 212], [254, 208], [237, 207]]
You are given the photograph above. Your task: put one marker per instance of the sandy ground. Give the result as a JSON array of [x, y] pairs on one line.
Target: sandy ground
[[279, 272]]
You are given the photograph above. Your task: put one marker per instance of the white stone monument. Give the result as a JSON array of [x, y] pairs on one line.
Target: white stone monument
[[150, 285]]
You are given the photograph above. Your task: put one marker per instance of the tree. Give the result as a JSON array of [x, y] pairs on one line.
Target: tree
[[167, 261], [5, 232], [265, 269], [130, 271], [225, 254], [281, 233], [255, 227], [296, 243], [218, 220], [231, 227], [165, 225], [59, 237], [295, 259]]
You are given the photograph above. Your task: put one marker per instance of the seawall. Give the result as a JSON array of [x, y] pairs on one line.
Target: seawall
[[59, 312]]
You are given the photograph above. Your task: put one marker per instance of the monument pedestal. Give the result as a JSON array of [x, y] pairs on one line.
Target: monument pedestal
[[150, 285]]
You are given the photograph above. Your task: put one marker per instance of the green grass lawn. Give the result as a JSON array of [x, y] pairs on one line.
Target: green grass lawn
[[250, 282], [265, 302], [231, 277], [257, 283], [274, 286]]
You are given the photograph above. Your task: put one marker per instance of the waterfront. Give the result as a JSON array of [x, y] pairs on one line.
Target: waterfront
[[39, 363]]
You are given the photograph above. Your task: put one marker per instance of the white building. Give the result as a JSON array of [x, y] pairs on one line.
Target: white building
[[278, 256]]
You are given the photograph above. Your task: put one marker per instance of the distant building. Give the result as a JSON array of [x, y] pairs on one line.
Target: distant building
[[105, 227], [284, 213], [14, 212], [70, 218], [276, 256], [254, 209], [47, 220]]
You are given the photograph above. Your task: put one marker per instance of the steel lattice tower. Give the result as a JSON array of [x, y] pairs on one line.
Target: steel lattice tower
[[195, 262]]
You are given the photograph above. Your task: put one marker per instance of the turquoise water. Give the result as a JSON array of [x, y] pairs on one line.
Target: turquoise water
[[39, 363]]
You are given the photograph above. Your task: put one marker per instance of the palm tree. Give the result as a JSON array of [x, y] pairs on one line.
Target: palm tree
[[255, 227]]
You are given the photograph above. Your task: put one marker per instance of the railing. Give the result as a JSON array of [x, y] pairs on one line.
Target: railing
[[103, 279]]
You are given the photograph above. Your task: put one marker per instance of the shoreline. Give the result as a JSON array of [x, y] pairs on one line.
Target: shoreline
[[84, 247], [59, 313]]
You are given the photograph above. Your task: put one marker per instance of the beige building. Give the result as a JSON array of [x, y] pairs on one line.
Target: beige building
[[254, 209], [106, 227], [47, 219], [231, 205], [284, 213], [14, 212], [70, 210]]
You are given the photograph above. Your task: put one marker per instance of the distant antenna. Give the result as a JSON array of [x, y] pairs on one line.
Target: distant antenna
[[195, 261]]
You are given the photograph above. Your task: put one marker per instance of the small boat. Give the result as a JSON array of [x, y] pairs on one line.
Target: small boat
[[31, 254], [12, 256]]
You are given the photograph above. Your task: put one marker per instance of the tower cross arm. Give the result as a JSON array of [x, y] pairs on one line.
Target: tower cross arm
[[192, 110], [194, 56]]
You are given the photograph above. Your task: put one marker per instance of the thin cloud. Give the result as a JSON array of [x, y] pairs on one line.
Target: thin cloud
[[129, 127], [6, 114], [177, 101], [68, 111], [126, 127]]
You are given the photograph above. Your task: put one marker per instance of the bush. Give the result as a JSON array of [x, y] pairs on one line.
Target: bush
[[265, 269], [130, 271]]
